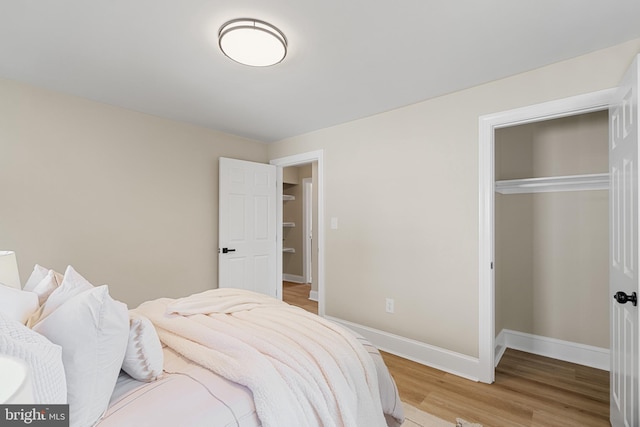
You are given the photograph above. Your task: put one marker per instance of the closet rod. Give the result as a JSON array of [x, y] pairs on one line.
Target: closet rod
[[596, 181]]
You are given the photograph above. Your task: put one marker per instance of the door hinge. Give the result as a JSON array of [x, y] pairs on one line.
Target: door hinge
[[492, 265]]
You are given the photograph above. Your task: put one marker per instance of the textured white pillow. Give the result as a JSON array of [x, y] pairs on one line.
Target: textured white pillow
[[72, 284], [92, 329], [43, 358], [144, 358], [17, 304]]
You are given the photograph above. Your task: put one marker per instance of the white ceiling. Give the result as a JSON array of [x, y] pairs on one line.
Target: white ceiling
[[347, 59]]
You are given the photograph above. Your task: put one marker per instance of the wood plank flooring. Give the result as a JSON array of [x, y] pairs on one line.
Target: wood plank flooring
[[298, 294], [529, 391]]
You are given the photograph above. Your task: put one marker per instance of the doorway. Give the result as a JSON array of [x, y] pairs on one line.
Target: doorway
[[487, 126], [298, 254], [317, 275], [552, 239]]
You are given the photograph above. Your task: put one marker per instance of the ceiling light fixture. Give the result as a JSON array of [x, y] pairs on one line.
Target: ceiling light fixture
[[252, 42]]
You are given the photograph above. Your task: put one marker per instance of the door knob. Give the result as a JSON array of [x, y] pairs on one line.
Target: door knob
[[623, 298], [226, 250]]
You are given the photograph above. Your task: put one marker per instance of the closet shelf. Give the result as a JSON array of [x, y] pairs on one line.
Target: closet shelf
[[289, 250], [288, 197], [596, 181], [288, 224]]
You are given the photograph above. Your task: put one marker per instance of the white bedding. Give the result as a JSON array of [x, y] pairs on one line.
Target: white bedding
[[195, 398], [297, 369]]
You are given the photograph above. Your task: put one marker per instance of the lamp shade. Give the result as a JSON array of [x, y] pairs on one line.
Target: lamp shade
[[16, 382], [252, 42], [9, 274]]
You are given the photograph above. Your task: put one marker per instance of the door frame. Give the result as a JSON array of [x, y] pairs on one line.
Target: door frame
[[595, 101], [307, 228], [297, 160]]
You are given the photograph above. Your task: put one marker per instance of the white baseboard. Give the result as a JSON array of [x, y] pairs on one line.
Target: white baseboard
[[501, 347], [313, 296], [435, 357], [292, 278], [582, 354]]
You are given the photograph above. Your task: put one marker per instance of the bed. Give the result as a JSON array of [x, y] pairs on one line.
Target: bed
[[223, 357]]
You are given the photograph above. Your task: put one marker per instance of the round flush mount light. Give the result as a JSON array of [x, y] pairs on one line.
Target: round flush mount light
[[252, 42]]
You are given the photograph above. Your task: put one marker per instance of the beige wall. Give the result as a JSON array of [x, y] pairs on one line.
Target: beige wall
[[290, 175], [514, 262], [571, 276], [552, 248], [513, 231], [425, 254], [128, 199]]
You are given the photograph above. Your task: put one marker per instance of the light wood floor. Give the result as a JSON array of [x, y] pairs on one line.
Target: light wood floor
[[298, 294], [529, 390]]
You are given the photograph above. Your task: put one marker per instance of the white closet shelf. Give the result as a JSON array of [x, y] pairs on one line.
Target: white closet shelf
[[288, 197], [595, 181], [289, 250], [288, 224]]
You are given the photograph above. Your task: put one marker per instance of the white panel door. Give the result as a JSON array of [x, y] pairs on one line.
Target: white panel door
[[247, 226], [623, 268]]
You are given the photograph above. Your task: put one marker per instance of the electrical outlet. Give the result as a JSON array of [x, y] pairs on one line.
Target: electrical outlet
[[389, 306]]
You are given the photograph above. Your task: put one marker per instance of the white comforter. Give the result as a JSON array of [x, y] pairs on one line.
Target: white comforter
[[302, 370]]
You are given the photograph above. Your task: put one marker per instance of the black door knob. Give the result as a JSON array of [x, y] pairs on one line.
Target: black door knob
[[227, 250], [623, 298]]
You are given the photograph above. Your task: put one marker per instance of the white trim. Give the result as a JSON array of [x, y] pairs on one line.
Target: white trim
[[295, 160], [429, 355], [293, 278], [279, 232], [313, 296], [581, 354], [595, 101], [501, 347], [307, 225]]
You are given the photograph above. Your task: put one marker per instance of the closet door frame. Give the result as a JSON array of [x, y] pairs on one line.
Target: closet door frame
[[587, 103]]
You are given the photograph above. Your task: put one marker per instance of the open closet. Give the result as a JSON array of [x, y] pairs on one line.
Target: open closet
[[293, 222], [299, 219], [551, 237]]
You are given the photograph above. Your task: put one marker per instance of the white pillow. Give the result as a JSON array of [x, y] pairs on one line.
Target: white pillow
[[46, 286], [143, 359], [43, 358], [17, 304], [92, 329], [72, 284], [39, 273]]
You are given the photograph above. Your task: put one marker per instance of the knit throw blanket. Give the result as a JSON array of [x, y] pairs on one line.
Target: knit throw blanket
[[302, 369]]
